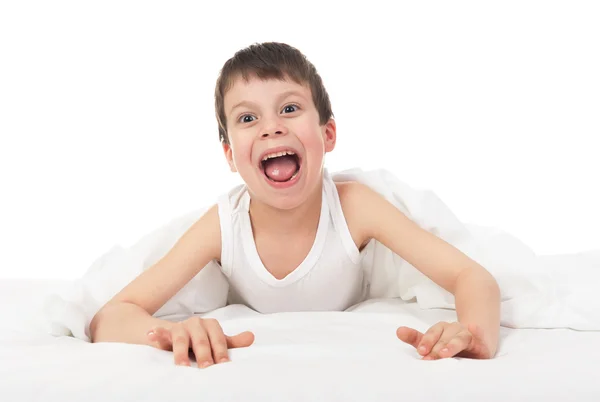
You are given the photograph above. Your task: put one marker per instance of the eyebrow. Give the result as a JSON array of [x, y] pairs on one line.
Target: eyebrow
[[279, 98]]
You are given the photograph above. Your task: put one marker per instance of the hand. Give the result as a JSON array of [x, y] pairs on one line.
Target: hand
[[447, 340], [204, 336]]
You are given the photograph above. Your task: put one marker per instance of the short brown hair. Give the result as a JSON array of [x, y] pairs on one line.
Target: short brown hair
[[270, 60]]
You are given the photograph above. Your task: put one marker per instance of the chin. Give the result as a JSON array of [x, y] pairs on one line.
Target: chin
[[278, 199]]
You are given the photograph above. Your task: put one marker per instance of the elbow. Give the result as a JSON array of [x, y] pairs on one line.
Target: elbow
[[480, 277], [94, 325], [99, 322], [490, 283]]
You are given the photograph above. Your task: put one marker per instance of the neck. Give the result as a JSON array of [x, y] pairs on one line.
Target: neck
[[289, 221]]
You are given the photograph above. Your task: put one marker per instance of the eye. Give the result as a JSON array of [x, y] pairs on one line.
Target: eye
[[290, 108], [247, 118]]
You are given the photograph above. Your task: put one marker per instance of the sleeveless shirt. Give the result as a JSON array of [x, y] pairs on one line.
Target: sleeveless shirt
[[329, 278]]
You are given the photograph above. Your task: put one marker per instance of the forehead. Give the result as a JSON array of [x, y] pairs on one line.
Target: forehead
[[262, 90]]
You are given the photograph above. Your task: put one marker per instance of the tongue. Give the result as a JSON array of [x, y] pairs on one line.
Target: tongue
[[281, 168]]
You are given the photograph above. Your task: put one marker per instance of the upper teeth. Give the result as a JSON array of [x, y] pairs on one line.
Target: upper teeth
[[277, 154]]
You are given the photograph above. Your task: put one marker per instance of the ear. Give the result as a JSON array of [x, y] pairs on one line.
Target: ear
[[329, 135], [229, 156]]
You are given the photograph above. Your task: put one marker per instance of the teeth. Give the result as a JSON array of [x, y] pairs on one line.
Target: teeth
[[277, 154]]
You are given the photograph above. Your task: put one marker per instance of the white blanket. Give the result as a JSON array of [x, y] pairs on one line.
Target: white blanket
[[307, 356], [297, 357], [537, 291]]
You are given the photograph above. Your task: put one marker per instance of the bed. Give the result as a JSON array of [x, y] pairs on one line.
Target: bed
[[333, 356]]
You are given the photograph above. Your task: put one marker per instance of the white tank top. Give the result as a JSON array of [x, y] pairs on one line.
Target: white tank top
[[330, 278]]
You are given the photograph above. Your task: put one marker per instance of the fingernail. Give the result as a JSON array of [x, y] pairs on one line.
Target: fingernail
[[184, 364], [205, 364], [224, 360], [150, 333], [444, 350], [422, 349]]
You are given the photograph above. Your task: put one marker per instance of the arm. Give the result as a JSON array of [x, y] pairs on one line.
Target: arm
[[125, 323], [127, 317], [476, 292], [477, 298]]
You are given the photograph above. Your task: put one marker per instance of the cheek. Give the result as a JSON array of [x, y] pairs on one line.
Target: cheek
[[308, 130], [242, 153], [312, 139]]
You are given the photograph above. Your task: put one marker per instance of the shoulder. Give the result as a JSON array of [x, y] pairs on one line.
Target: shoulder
[[211, 216], [350, 191], [356, 200], [206, 231], [354, 194], [368, 210]]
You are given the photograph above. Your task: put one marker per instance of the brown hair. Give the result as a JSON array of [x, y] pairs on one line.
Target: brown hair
[[270, 60]]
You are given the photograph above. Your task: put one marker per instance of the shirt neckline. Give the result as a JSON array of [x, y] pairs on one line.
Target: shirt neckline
[[305, 266]]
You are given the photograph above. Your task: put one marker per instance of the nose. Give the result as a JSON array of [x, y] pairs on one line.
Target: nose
[[273, 127], [268, 134]]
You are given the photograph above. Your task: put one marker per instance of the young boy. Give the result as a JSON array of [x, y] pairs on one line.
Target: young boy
[[290, 238]]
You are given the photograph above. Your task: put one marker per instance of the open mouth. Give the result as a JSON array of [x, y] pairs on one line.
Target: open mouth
[[281, 167]]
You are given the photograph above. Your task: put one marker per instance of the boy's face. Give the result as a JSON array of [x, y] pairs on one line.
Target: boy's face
[[271, 115]]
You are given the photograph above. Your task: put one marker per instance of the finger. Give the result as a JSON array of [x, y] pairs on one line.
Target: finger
[[200, 342], [450, 332], [410, 336], [457, 344], [160, 338], [181, 345], [242, 340], [164, 332], [217, 340], [431, 337], [158, 341]]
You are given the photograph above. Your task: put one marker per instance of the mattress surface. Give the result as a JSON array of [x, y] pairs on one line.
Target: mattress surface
[[329, 356]]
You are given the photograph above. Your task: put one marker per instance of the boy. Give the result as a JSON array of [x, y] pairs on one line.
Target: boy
[[290, 238]]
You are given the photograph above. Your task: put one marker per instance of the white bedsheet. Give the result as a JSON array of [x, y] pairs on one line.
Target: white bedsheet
[[334, 356], [537, 291]]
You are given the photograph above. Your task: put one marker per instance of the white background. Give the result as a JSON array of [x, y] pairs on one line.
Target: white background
[[108, 131]]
